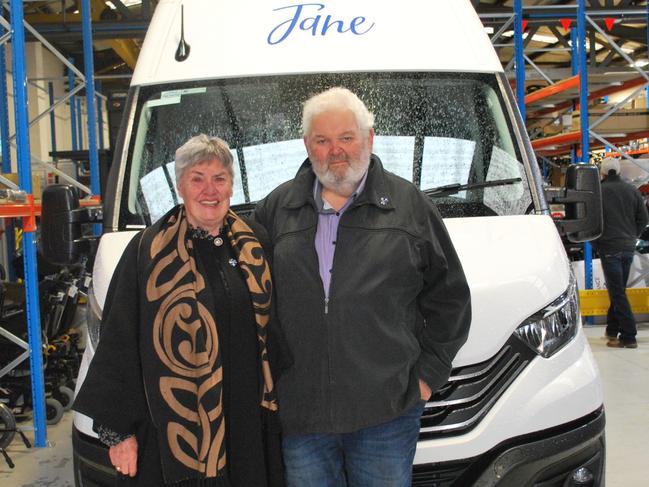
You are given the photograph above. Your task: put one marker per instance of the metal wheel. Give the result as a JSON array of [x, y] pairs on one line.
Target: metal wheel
[[65, 396], [53, 410], [7, 426]]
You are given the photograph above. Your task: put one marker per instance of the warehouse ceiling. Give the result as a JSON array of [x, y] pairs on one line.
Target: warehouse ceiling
[[547, 42], [118, 30], [119, 27]]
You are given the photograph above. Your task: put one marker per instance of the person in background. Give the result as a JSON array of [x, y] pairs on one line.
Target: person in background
[[181, 387], [625, 217], [372, 299]]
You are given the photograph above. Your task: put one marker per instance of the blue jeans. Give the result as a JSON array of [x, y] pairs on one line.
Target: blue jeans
[[620, 319], [378, 456]]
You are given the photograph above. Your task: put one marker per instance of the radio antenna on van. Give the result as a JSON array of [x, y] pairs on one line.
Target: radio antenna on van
[[182, 52]]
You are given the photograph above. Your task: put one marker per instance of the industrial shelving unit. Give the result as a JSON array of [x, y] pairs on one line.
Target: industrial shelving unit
[[28, 210], [570, 95]]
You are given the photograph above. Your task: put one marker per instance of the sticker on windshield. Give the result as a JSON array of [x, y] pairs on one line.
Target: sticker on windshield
[[446, 160], [163, 101], [396, 153], [179, 93], [159, 191]]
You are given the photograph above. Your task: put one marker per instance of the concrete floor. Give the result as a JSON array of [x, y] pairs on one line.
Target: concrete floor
[[625, 376]]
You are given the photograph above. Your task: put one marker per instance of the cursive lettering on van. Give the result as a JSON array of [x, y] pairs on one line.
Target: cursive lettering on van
[[318, 24]]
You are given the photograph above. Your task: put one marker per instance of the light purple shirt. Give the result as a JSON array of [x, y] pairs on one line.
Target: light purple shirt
[[325, 236]]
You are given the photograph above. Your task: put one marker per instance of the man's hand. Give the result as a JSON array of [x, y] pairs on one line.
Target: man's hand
[[424, 390], [123, 456]]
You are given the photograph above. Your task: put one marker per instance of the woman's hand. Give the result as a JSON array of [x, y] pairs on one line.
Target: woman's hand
[[123, 456], [424, 391]]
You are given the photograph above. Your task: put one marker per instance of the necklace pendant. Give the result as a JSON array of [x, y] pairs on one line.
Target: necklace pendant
[[218, 241]]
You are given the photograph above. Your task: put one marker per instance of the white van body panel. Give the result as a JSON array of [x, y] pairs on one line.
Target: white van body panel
[[110, 251], [82, 422], [548, 393], [515, 265], [221, 47], [111, 248]]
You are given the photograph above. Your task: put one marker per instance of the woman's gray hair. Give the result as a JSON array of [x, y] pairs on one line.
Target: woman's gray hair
[[332, 99], [201, 148]]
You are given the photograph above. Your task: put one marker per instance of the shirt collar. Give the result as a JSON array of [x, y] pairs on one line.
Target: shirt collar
[[323, 206]]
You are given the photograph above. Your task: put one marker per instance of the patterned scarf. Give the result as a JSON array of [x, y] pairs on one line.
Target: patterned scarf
[[182, 363]]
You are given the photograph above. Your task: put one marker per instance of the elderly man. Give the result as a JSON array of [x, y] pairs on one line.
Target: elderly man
[[372, 298]]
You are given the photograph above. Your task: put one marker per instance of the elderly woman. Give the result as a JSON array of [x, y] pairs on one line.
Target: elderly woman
[[181, 386]]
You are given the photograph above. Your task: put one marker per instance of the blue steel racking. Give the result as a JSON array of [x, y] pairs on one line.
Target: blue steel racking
[[579, 68], [28, 211]]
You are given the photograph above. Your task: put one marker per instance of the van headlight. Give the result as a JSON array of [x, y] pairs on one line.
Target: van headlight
[[93, 317], [551, 328]]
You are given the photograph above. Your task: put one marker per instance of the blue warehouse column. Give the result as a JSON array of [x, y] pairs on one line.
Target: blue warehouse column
[[519, 59], [574, 70], [6, 159], [4, 113], [89, 69], [29, 248], [583, 118]]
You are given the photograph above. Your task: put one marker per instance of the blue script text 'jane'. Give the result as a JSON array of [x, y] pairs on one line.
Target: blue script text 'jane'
[[317, 24]]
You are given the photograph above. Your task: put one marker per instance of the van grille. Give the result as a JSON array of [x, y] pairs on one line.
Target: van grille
[[471, 391], [432, 475]]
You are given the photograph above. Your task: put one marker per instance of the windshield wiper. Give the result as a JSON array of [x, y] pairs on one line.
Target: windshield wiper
[[456, 187]]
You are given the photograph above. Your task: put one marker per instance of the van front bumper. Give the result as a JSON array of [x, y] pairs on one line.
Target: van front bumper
[[545, 459]]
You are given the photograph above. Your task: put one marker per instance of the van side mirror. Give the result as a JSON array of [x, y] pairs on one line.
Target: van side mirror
[[63, 240], [582, 202]]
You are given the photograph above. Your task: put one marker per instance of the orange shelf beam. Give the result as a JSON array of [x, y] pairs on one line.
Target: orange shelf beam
[[637, 152], [570, 138], [632, 83], [555, 89], [23, 210]]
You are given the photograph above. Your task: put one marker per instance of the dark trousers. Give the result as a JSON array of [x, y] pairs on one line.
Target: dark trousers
[[620, 320]]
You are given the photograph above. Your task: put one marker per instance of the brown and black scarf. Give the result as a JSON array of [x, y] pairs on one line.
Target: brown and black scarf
[[181, 356]]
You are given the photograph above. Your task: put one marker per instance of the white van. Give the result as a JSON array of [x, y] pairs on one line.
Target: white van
[[524, 403]]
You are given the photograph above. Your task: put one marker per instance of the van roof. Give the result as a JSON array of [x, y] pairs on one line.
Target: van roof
[[265, 37]]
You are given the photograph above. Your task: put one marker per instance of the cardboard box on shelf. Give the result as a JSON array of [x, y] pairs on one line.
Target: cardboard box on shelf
[[36, 183], [621, 122]]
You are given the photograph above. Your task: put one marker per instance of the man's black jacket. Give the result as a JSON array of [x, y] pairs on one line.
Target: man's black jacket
[[399, 305]]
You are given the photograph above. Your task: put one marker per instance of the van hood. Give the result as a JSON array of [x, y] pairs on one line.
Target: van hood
[[270, 37], [515, 265]]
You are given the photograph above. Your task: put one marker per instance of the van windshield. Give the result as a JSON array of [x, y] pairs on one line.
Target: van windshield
[[447, 133]]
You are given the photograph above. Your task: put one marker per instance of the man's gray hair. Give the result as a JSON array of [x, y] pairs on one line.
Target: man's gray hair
[[201, 148], [332, 99]]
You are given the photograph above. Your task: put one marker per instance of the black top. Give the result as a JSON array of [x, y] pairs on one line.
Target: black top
[[398, 309], [235, 323], [624, 213]]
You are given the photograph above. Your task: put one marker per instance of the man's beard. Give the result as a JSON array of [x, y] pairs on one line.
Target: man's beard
[[342, 182]]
